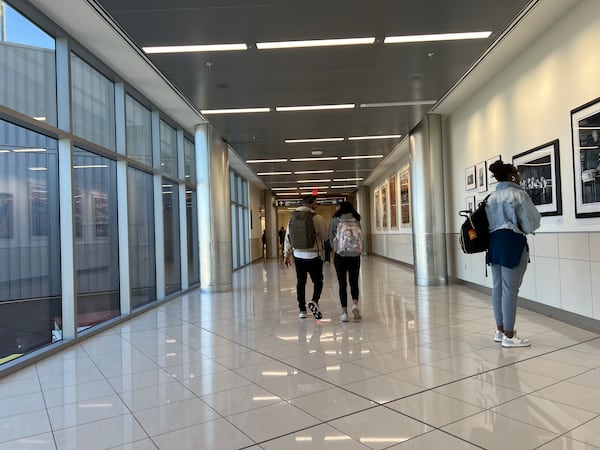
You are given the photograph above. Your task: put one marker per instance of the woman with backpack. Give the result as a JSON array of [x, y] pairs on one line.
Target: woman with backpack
[[511, 216], [345, 235]]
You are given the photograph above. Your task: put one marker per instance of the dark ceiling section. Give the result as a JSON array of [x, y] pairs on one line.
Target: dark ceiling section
[[268, 78]]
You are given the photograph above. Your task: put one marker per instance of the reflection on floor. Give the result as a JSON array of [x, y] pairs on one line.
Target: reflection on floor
[[240, 370]]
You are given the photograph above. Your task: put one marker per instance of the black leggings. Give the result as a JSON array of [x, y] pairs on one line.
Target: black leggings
[[351, 266], [314, 268]]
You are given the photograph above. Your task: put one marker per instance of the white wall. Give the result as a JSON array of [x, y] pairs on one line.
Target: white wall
[[526, 105]]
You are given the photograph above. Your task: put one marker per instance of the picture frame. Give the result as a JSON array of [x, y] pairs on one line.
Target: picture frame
[[100, 209], [393, 183], [585, 133], [470, 181], [6, 215], [481, 173], [470, 203], [540, 177], [488, 162], [405, 198], [376, 198], [384, 206]]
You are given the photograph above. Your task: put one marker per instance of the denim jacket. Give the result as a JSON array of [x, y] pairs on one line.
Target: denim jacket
[[510, 207]]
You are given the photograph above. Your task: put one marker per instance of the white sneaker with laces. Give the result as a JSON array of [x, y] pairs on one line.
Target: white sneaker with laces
[[302, 314], [498, 336], [356, 312], [344, 317], [515, 341]]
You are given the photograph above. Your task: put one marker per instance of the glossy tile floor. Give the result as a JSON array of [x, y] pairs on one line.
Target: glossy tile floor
[[240, 370]]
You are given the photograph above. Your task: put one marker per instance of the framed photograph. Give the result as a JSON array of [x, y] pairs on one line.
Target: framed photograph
[[100, 209], [488, 163], [481, 177], [377, 210], [470, 203], [585, 129], [405, 198], [540, 177], [393, 202], [384, 206], [6, 216], [470, 182]]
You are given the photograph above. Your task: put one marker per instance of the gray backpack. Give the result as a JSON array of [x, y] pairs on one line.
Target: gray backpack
[[302, 232]]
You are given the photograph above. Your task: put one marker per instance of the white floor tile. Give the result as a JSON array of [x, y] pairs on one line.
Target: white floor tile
[[332, 403], [322, 437], [43, 441], [175, 416], [24, 425]]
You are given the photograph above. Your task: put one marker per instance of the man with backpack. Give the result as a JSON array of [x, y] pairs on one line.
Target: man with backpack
[[305, 233]]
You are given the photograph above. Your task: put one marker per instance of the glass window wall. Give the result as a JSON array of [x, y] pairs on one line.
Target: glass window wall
[[139, 131], [168, 149], [170, 191], [96, 239], [191, 204], [30, 279]]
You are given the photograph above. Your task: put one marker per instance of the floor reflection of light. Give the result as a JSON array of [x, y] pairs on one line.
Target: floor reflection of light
[[96, 405], [303, 439], [332, 368], [383, 440], [265, 398], [171, 341], [171, 354], [274, 374], [337, 438]]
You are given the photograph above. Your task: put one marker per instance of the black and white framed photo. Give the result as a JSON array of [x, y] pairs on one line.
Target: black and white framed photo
[[540, 177], [585, 129], [488, 163], [481, 177], [470, 182], [6, 215], [470, 204]]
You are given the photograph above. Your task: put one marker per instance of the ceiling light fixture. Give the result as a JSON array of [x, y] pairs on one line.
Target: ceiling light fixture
[[348, 179], [28, 150], [297, 141], [321, 158], [253, 161], [315, 107], [383, 136], [235, 110], [362, 157], [315, 43], [388, 104], [195, 48], [344, 187], [436, 37], [313, 181], [284, 189], [287, 193], [91, 166], [312, 193], [273, 173], [304, 172]]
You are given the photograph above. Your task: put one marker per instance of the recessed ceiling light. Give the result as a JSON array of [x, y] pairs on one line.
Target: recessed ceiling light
[[287, 193], [312, 193], [195, 48], [314, 43], [383, 136], [317, 152], [28, 150], [297, 141], [349, 179], [345, 186], [304, 172], [362, 157], [273, 173], [321, 158], [252, 161], [388, 104], [284, 189], [313, 181], [314, 107], [92, 166], [436, 37], [235, 110]]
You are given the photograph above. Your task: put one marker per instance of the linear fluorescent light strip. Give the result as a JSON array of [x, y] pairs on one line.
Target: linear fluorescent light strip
[[195, 48], [310, 193], [273, 173], [91, 166], [388, 104], [331, 139], [383, 136], [284, 189], [313, 181], [287, 193], [235, 110], [315, 43], [314, 107], [252, 161], [436, 37], [306, 172], [348, 179], [345, 187], [321, 158], [362, 157], [28, 150]]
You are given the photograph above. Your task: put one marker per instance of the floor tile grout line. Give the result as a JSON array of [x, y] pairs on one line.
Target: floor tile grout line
[[46, 407]]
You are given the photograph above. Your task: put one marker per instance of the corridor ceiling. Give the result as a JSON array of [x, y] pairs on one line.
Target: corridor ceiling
[[398, 82]]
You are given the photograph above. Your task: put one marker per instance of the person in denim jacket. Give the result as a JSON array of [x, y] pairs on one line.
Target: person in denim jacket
[[511, 215]]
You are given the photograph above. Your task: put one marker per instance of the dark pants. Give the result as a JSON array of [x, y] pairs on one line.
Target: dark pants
[[347, 265], [314, 268]]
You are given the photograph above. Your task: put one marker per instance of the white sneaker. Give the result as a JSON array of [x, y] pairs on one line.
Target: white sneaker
[[515, 341], [344, 317], [356, 312], [302, 314], [498, 336]]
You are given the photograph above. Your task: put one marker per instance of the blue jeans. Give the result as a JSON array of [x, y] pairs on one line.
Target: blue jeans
[[505, 288], [314, 268]]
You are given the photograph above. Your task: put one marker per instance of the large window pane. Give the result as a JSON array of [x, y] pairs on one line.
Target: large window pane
[[168, 149], [190, 161], [170, 191], [30, 289], [191, 203], [93, 104], [96, 239], [139, 131], [27, 67], [142, 255]]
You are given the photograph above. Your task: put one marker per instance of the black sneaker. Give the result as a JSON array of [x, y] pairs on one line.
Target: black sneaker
[[314, 309]]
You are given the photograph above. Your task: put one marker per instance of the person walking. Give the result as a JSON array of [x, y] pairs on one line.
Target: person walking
[[281, 234], [305, 233], [511, 215], [346, 235]]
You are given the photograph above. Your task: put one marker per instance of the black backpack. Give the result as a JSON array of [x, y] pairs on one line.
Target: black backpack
[[302, 232], [475, 231]]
